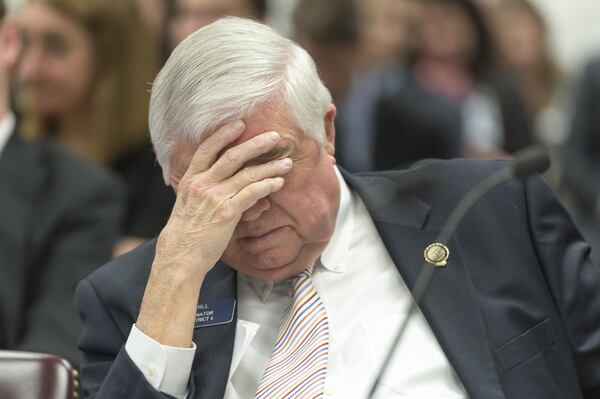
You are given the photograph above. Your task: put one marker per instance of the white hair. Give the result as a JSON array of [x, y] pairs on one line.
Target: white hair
[[223, 72]]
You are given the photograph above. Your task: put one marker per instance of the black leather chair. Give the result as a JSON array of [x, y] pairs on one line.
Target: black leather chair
[[26, 375]]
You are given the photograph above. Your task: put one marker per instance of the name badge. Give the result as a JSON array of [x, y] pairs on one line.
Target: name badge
[[214, 312]]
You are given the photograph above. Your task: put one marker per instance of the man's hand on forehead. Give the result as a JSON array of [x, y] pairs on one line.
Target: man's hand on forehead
[[212, 196], [224, 179], [280, 150]]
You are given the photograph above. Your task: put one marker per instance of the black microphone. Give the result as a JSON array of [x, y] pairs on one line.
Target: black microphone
[[529, 161]]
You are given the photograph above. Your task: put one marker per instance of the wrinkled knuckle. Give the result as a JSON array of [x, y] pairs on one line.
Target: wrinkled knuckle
[[213, 197], [184, 183], [253, 189], [226, 213], [232, 154], [197, 188], [251, 174], [202, 153]]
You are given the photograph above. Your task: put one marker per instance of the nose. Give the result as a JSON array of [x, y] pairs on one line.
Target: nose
[[31, 64], [254, 212]]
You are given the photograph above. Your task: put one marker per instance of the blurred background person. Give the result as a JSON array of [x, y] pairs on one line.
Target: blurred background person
[[454, 58], [253, 9], [154, 14], [386, 119], [329, 31], [84, 74], [60, 221], [387, 31], [581, 161], [524, 49], [186, 16]]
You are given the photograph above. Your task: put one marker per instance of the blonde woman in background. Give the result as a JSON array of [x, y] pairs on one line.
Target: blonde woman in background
[[85, 74], [523, 40]]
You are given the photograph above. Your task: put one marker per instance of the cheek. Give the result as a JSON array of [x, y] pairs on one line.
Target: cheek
[[79, 73], [312, 204]]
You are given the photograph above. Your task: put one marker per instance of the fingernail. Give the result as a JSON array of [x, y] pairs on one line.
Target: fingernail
[[285, 162], [279, 181], [238, 125], [274, 136]]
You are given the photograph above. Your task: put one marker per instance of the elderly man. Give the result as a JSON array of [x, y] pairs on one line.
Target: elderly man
[[280, 276]]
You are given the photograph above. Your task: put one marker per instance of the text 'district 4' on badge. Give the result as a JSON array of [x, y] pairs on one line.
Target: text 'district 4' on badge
[[215, 311]]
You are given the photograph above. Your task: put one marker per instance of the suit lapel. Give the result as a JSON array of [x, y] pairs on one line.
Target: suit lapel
[[22, 177], [215, 343], [450, 304]]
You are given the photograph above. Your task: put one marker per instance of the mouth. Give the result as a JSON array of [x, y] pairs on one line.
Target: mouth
[[261, 236]]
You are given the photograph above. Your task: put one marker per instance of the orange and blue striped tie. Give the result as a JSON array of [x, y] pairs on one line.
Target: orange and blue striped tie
[[298, 366]]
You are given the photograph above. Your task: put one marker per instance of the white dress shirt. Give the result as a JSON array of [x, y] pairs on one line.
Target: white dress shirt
[[364, 296], [7, 126]]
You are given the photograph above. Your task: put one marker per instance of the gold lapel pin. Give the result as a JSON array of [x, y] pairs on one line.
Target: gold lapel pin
[[437, 254]]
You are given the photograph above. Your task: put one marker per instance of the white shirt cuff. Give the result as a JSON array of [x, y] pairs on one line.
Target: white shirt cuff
[[166, 368]]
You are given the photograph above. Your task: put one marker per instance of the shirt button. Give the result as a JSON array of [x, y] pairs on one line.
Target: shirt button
[[151, 370], [337, 267]]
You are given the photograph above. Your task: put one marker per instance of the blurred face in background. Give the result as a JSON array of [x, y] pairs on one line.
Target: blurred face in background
[[191, 15], [335, 62], [447, 33], [387, 29], [153, 13], [521, 38], [57, 64]]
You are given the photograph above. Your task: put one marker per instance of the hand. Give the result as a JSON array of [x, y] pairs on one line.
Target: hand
[[212, 196]]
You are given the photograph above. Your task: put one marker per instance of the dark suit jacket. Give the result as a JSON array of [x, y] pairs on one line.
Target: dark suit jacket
[[59, 220], [516, 310], [148, 200]]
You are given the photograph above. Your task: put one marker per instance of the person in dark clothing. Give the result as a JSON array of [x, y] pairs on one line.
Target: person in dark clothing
[[60, 219], [581, 156]]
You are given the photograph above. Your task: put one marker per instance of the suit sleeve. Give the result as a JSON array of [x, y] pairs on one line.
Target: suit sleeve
[[82, 240], [107, 371], [573, 278]]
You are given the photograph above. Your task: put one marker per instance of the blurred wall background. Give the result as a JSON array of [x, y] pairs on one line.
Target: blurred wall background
[[575, 29]]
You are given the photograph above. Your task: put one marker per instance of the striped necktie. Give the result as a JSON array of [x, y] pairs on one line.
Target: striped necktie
[[298, 366]]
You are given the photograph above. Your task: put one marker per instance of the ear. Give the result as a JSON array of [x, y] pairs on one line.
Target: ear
[[330, 131], [10, 44]]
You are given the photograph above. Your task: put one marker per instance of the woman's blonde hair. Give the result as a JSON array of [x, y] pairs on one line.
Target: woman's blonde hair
[[549, 72], [126, 63]]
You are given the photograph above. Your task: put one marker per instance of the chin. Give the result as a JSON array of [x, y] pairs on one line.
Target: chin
[[277, 274], [276, 264]]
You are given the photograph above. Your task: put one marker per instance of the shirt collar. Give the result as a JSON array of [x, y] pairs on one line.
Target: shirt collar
[[332, 258], [7, 126]]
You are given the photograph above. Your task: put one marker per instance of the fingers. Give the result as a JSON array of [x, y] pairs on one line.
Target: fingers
[[250, 194], [206, 154], [235, 157], [254, 174]]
